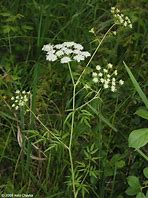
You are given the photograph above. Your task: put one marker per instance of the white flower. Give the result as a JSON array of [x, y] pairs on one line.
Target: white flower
[[65, 59], [98, 67], [59, 53], [113, 88], [106, 86], [17, 91], [85, 54], [20, 98], [100, 74], [109, 65], [12, 98], [102, 80], [78, 46], [113, 79], [68, 51], [76, 51], [51, 57], [16, 108], [121, 82], [47, 47], [69, 44], [108, 75], [115, 72], [78, 58], [58, 46], [94, 74], [95, 80], [105, 70]]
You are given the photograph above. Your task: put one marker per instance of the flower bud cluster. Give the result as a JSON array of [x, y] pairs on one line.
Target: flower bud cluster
[[20, 99], [106, 77], [121, 18], [66, 52]]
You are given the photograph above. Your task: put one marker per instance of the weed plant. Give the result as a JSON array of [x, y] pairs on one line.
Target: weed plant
[[66, 124]]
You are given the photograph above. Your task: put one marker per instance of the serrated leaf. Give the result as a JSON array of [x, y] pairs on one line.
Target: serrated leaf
[[138, 138], [145, 172], [142, 113], [140, 195]]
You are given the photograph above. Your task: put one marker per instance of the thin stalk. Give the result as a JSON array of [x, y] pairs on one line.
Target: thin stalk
[[9, 41], [77, 82], [113, 184], [71, 131], [48, 129], [142, 154]]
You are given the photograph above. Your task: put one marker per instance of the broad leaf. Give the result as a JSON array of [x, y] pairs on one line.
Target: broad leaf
[[145, 172], [140, 195], [142, 113], [138, 138]]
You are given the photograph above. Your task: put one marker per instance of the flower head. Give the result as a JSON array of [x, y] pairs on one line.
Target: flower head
[[106, 77], [121, 18], [20, 99], [66, 52]]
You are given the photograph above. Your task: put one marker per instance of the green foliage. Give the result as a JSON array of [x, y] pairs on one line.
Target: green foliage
[[35, 151], [138, 138]]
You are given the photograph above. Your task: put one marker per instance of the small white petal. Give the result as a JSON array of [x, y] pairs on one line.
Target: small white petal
[[100, 74], [109, 65], [47, 47], [16, 108], [59, 53], [78, 58], [51, 57], [94, 74], [105, 70], [98, 67], [17, 92], [78, 46], [121, 82], [95, 80], [65, 59]]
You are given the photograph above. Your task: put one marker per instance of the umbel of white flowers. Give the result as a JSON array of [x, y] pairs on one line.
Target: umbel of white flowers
[[121, 18], [20, 99], [65, 52], [106, 77]]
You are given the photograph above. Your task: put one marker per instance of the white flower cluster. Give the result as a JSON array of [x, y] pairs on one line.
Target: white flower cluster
[[66, 52], [20, 99], [121, 18], [106, 77]]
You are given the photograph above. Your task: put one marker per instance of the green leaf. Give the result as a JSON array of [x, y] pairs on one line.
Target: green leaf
[[138, 138], [134, 183], [142, 113], [145, 172], [140, 195], [136, 85], [131, 191]]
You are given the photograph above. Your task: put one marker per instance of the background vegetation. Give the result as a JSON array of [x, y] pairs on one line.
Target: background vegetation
[[100, 152]]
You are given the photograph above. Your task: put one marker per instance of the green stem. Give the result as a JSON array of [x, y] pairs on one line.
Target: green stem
[[142, 154], [77, 82], [71, 132]]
